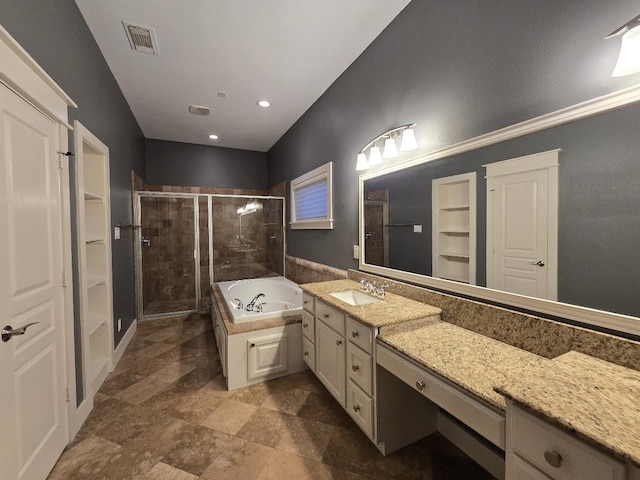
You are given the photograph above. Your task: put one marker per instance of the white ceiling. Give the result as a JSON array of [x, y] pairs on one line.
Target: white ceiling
[[286, 51]]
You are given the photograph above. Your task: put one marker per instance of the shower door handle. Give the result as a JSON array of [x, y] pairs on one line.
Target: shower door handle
[[146, 242]]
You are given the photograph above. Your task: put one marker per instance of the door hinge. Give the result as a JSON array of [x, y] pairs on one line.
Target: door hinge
[[60, 163], [64, 277], [67, 397]]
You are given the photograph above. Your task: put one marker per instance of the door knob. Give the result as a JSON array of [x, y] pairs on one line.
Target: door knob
[[8, 332], [539, 263]]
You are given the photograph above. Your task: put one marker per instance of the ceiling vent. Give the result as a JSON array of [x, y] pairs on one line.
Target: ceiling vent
[[199, 110], [142, 39]]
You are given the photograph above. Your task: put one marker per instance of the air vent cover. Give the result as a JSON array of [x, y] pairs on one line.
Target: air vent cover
[[199, 110], [142, 39]]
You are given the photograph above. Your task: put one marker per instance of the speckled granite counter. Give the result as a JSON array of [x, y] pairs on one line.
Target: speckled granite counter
[[234, 328], [392, 309], [467, 359], [597, 400]]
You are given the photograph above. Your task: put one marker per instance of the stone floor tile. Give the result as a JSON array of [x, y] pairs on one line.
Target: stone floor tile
[[306, 438], [230, 416], [265, 427], [114, 384], [85, 459], [172, 372], [243, 460], [287, 402], [126, 464], [256, 394], [162, 471], [129, 425], [283, 465], [324, 408], [142, 391]]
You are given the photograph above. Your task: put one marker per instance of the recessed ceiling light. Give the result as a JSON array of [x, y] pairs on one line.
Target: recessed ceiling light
[[213, 136], [264, 103]]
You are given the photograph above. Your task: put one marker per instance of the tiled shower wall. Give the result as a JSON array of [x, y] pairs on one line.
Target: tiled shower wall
[[169, 270]]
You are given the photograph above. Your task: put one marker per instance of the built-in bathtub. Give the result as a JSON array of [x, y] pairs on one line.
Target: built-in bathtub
[[281, 298]]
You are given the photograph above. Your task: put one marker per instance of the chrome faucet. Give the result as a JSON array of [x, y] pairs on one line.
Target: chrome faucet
[[239, 306], [253, 301], [367, 285], [382, 289]]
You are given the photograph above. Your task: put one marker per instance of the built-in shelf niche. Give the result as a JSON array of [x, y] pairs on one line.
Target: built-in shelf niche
[[94, 258], [454, 228]]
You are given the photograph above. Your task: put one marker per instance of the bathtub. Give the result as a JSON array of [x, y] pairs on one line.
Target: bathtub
[[281, 298]]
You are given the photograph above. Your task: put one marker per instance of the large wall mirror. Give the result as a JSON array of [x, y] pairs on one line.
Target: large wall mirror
[[596, 264]]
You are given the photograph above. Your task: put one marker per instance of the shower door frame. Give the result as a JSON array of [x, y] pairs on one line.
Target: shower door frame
[[196, 222]]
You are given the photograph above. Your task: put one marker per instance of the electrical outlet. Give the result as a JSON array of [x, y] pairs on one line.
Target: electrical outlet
[[119, 324], [116, 233], [356, 251]]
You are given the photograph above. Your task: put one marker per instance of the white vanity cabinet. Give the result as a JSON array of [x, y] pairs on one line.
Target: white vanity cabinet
[[343, 361], [537, 450], [308, 332], [330, 350]]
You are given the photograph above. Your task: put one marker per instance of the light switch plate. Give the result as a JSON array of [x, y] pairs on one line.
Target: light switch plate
[[417, 229], [356, 252], [116, 233]]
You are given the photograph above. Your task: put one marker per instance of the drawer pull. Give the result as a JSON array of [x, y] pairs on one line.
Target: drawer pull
[[354, 334], [553, 458], [338, 342], [356, 408], [306, 353], [420, 385], [305, 325], [326, 315], [355, 368]]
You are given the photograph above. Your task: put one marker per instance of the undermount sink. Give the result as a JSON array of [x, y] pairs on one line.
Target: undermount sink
[[355, 297]]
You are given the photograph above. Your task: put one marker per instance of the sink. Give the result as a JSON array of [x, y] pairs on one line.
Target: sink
[[355, 297]]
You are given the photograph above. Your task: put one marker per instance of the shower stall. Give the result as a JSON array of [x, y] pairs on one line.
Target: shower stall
[[185, 242]]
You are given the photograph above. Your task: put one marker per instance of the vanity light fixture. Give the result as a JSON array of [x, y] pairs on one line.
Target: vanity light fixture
[[407, 142], [629, 56]]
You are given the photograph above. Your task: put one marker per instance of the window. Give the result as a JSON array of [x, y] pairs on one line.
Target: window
[[311, 194]]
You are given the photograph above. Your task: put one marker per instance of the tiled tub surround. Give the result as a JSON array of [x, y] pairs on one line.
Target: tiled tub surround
[[301, 271], [543, 337]]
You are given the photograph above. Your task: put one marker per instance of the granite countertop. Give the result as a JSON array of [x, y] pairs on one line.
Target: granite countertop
[[235, 328], [598, 400], [392, 309], [472, 361]]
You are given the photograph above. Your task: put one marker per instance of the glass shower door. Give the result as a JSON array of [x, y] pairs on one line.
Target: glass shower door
[[168, 254]]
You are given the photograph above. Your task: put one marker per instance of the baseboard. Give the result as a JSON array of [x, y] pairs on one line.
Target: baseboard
[[484, 455], [124, 343], [80, 416]]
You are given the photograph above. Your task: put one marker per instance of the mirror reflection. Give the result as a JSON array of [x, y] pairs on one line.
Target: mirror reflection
[[577, 244]]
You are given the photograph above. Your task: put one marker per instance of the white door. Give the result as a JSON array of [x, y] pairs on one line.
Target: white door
[[522, 230], [33, 426]]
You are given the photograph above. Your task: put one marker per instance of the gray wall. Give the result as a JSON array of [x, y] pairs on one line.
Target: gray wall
[[459, 69], [186, 164], [56, 36]]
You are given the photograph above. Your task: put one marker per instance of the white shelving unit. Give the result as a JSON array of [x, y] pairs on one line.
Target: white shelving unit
[[454, 228], [94, 257]]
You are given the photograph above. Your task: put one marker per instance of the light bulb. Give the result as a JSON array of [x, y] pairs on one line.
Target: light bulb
[[390, 148], [361, 163], [629, 57], [375, 158], [408, 140]]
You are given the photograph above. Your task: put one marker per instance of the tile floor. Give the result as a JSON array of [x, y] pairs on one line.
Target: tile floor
[[165, 414]]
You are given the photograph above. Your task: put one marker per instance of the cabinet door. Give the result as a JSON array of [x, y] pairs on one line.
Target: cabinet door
[[330, 360], [267, 356]]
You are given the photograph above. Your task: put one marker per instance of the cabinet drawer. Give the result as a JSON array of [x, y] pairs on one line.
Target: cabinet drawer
[[469, 410], [542, 444], [360, 407], [308, 326], [332, 317], [523, 470], [309, 353], [360, 334], [307, 302], [359, 368]]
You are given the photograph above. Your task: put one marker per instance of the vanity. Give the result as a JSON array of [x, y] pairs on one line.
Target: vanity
[[402, 373]]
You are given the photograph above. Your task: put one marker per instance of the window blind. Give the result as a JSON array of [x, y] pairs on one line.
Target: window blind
[[311, 201]]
